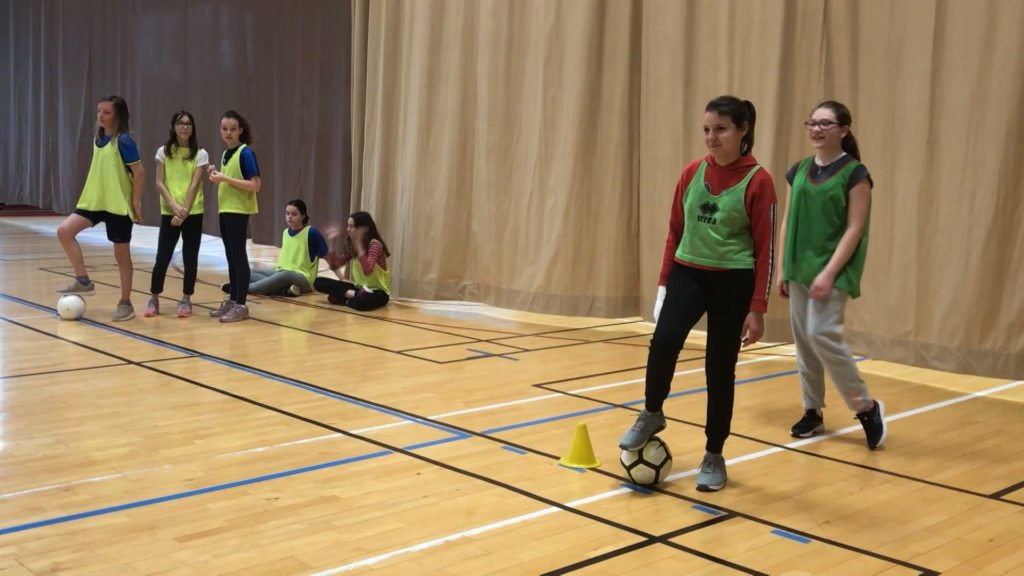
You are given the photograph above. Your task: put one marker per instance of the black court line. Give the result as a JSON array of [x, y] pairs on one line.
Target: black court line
[[405, 322], [997, 497], [1008, 490], [339, 309], [473, 340], [545, 334], [263, 321], [420, 323], [403, 353], [380, 444], [662, 539], [500, 342], [184, 357], [61, 257], [501, 442], [545, 385], [66, 370]]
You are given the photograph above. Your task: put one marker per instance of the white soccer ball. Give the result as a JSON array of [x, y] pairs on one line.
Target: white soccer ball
[[648, 465], [71, 307]]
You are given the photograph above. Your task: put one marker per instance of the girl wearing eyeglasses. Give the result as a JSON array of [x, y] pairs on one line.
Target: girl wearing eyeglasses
[[824, 245], [179, 178]]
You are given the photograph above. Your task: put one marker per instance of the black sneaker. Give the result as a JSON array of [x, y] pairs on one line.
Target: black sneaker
[[873, 422], [812, 423]]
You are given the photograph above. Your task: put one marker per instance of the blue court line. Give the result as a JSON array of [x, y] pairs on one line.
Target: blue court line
[[515, 450], [576, 469], [456, 435], [630, 403], [707, 510], [247, 369], [791, 536], [219, 487], [189, 493]]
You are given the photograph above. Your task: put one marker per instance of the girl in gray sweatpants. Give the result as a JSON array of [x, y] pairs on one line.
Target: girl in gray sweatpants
[[825, 240]]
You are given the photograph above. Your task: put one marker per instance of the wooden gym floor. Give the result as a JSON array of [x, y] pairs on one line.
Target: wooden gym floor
[[424, 439]]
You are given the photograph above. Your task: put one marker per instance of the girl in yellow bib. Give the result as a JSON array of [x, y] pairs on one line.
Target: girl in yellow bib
[[112, 194], [302, 246], [238, 182], [179, 178], [367, 256]]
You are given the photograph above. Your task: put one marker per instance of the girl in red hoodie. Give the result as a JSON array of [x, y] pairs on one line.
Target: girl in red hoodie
[[718, 260]]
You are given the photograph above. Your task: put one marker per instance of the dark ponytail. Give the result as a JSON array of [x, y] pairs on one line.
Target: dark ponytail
[[741, 112], [844, 118]]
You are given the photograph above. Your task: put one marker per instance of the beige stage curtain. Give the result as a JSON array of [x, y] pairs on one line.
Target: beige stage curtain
[[496, 144], [524, 154]]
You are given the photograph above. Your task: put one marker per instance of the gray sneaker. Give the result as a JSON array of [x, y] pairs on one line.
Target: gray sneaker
[[711, 476], [294, 290], [237, 313], [124, 311], [224, 307], [647, 424], [77, 287]]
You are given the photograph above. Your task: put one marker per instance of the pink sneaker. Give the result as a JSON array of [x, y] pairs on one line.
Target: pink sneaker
[[152, 307], [185, 308]]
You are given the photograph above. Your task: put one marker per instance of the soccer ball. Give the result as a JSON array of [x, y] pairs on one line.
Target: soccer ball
[[71, 307], [648, 465]]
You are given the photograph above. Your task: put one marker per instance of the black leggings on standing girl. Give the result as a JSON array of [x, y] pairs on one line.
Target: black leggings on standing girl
[[725, 296], [191, 233], [233, 230]]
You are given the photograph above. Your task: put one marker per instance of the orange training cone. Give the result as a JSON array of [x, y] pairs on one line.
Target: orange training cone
[[581, 453]]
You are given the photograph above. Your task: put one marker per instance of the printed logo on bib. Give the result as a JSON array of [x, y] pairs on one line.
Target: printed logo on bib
[[708, 209]]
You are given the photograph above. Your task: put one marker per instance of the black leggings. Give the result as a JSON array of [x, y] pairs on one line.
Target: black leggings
[[191, 233], [725, 296], [362, 301], [233, 230]]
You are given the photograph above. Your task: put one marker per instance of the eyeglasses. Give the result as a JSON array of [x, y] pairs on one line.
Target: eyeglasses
[[185, 124], [823, 124]]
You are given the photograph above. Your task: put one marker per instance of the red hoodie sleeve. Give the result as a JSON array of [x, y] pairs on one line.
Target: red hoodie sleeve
[[675, 223], [760, 203]]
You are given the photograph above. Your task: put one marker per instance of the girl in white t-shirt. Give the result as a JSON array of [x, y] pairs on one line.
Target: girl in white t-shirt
[[179, 174]]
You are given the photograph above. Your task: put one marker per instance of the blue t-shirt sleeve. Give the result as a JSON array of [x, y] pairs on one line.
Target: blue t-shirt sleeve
[[317, 244], [129, 150], [250, 168]]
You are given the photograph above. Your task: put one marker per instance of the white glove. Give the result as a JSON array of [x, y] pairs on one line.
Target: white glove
[[658, 302]]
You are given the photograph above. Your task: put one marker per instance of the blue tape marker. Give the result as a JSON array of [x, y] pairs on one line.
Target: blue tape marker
[[635, 488], [707, 510], [516, 450], [791, 536]]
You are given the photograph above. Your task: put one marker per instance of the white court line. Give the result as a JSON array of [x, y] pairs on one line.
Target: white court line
[[83, 481], [612, 493], [487, 408], [371, 429]]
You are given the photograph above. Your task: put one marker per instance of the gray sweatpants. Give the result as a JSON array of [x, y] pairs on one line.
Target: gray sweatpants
[[271, 283], [818, 335]]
